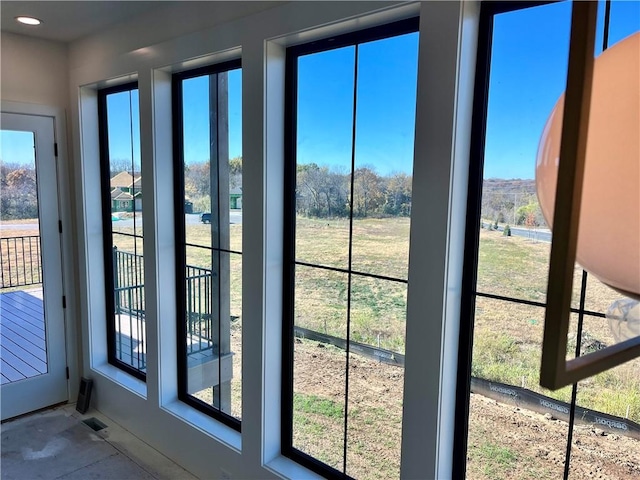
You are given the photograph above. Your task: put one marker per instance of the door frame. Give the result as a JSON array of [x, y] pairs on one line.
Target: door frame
[[68, 240]]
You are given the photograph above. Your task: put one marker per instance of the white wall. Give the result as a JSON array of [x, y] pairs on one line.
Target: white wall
[[140, 50], [35, 80], [163, 23], [34, 71]]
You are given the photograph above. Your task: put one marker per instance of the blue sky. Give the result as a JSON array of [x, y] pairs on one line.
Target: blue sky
[[17, 147], [196, 121], [386, 95], [528, 74], [195, 99], [124, 126]]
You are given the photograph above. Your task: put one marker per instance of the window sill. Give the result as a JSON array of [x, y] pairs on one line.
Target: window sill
[[207, 425], [134, 385], [286, 468]]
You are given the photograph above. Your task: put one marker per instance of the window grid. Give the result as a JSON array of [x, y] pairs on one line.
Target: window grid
[[124, 270], [351, 272], [472, 242], [532, 303], [291, 262], [186, 300]]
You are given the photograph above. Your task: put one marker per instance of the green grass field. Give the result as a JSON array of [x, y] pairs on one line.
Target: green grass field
[[507, 336]]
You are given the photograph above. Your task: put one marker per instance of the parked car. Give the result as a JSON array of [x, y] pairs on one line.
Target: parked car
[[205, 218]]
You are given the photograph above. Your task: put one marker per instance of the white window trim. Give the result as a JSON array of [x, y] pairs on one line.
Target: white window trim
[[446, 74], [442, 161]]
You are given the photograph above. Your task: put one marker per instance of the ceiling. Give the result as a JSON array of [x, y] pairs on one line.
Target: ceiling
[[68, 21]]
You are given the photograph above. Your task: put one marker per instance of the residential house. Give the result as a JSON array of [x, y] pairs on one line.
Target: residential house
[[126, 192], [235, 198]]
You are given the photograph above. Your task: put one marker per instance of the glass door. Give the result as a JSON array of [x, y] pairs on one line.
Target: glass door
[[32, 340]]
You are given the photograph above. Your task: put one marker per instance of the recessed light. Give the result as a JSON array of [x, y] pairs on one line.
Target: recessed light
[[28, 20]]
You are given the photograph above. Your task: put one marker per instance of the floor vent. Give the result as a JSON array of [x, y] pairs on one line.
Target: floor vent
[[95, 424]]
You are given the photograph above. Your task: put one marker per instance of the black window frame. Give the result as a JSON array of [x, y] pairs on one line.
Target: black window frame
[[180, 236], [469, 293], [397, 28], [107, 231]]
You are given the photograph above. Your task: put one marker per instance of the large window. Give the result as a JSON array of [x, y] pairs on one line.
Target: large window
[[122, 199], [208, 192], [516, 429], [351, 113]]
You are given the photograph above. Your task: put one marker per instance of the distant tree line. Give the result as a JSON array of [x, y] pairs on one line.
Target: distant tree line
[[197, 182], [325, 193], [512, 202], [321, 192], [19, 189], [119, 165]]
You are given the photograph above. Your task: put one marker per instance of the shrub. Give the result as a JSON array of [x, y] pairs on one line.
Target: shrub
[[507, 231]]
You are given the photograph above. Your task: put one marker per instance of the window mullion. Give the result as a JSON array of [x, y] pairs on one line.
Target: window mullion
[[350, 254], [222, 236]]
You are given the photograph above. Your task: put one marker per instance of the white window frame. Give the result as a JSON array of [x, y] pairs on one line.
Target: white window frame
[[448, 36]]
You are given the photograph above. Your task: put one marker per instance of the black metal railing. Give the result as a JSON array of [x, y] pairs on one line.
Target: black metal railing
[[21, 261], [130, 308], [129, 302], [200, 334], [128, 278]]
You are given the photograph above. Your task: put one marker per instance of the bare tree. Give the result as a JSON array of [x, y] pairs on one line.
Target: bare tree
[[19, 191], [398, 195], [368, 195], [197, 181]]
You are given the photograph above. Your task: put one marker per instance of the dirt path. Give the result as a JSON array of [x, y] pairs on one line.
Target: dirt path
[[512, 443], [504, 442]]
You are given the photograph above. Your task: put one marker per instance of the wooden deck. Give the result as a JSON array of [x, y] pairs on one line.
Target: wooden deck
[[130, 341], [23, 347], [22, 335]]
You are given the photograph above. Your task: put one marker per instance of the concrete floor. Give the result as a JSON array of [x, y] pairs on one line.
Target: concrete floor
[[56, 444]]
